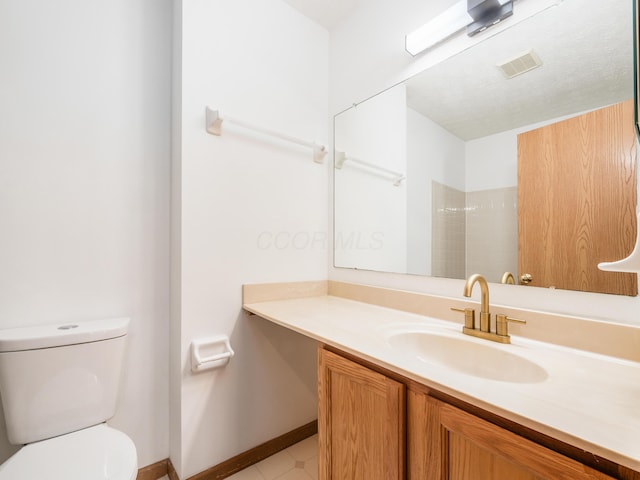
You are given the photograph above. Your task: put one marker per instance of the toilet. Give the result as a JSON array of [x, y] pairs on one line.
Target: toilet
[[59, 385]]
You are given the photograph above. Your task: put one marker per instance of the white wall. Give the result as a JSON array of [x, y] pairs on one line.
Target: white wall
[[371, 226], [492, 161], [84, 184], [432, 154], [364, 56], [367, 55], [249, 209], [175, 328]]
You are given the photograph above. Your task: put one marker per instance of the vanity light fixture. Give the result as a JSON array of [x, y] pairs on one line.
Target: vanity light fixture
[[486, 13], [449, 22], [474, 15]]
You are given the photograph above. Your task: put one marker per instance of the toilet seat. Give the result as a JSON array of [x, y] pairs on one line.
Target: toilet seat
[[95, 453]]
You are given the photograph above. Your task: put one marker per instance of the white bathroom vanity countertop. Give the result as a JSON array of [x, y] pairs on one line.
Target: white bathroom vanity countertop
[[588, 400]]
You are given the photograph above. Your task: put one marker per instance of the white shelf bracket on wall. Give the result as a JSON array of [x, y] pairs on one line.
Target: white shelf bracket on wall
[[214, 127], [631, 264], [341, 158]]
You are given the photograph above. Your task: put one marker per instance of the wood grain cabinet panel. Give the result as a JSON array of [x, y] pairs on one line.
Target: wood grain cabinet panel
[[577, 201], [446, 443], [361, 417], [374, 427]]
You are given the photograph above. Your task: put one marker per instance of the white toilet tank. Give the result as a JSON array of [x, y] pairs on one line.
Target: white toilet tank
[[56, 379]]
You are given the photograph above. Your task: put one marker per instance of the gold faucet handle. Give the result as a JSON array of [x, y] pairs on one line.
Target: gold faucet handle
[[469, 316], [502, 324]]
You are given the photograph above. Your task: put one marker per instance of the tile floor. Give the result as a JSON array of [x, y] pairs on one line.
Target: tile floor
[[298, 462]]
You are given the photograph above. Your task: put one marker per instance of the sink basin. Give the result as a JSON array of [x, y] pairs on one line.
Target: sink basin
[[467, 356]]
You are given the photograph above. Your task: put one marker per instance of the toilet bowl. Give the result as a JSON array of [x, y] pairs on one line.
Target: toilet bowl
[[94, 453], [59, 387]]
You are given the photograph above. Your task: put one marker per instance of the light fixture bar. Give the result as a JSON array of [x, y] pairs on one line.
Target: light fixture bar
[[456, 18], [440, 28], [487, 13]]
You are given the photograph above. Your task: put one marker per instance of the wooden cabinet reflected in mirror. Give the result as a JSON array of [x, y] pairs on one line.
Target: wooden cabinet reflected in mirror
[[577, 201]]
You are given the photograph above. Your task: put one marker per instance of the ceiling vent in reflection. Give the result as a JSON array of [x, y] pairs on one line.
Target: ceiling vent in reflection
[[520, 64]]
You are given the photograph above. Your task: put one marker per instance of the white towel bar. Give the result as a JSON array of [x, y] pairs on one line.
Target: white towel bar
[[341, 157], [214, 127]]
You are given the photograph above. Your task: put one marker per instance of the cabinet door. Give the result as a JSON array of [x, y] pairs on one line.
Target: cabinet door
[[361, 417], [577, 201], [446, 443]]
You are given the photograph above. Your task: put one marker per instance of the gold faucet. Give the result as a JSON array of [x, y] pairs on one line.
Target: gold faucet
[[485, 316], [501, 334], [507, 278]]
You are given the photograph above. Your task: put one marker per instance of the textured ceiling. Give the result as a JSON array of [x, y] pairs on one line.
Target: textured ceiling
[[587, 54]]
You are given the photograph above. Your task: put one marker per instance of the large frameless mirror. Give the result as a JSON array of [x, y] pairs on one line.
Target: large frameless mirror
[[427, 177]]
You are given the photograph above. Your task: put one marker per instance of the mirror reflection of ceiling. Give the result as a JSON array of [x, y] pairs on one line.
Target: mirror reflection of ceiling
[[586, 63]]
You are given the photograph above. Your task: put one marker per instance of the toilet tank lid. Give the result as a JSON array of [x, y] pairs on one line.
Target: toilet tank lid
[[61, 334]]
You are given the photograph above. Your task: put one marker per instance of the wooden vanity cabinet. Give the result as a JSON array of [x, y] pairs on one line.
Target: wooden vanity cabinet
[[361, 420], [370, 424], [447, 443]]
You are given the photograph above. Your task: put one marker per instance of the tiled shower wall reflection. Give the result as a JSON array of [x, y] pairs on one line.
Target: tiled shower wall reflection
[[492, 232], [474, 232], [448, 243]]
